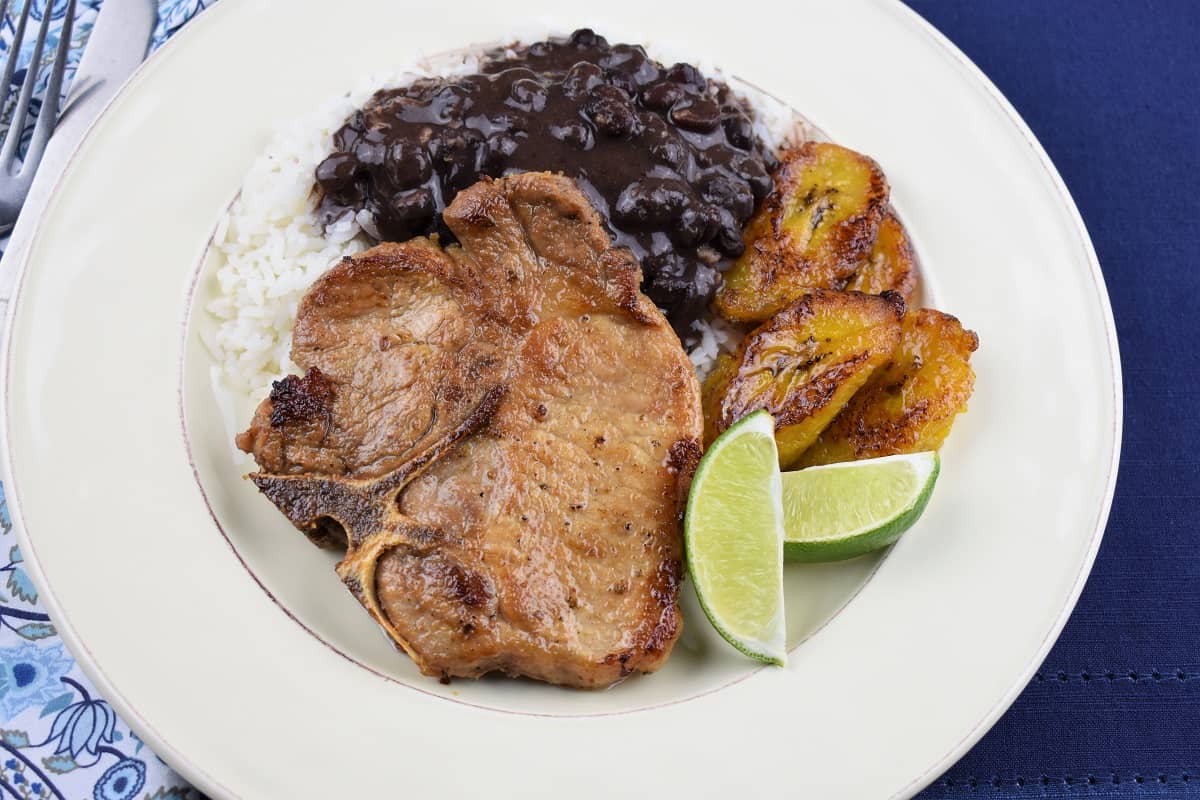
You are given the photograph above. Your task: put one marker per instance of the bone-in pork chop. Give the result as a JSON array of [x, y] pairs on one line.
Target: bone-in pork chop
[[501, 434]]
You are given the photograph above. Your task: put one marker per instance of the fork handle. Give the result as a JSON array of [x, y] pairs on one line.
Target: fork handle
[[115, 47]]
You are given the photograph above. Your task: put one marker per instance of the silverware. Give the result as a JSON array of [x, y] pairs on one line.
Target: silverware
[[15, 179], [115, 47]]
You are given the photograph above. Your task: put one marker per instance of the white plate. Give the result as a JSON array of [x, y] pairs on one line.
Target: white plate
[[243, 662]]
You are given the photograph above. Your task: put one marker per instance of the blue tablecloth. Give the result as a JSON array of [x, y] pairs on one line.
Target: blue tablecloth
[[1112, 89]]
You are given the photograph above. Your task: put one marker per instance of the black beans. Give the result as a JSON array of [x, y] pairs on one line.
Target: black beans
[[622, 81], [369, 153], [693, 227], [728, 191], [414, 206], [739, 130], [670, 151], [406, 215], [456, 156], [669, 280], [337, 171], [498, 150], [504, 144], [611, 111], [680, 284], [728, 238], [406, 164], [529, 94], [687, 75], [623, 56], [663, 142], [652, 202], [348, 135], [586, 39], [506, 121], [574, 132], [450, 102], [670, 159], [754, 173], [581, 79], [696, 114], [661, 95], [631, 62]]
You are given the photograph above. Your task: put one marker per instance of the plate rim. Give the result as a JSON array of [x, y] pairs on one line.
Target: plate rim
[[197, 775], [78, 649], [1064, 197]]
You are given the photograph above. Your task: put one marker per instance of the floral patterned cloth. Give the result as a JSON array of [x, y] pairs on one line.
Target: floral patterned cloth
[[58, 738]]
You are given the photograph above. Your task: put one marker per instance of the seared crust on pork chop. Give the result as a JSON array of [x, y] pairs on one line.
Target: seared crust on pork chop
[[501, 434]]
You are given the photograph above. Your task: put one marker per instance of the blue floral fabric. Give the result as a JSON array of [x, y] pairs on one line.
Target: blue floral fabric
[[58, 738]]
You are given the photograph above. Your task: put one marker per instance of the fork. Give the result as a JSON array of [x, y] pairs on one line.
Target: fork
[[15, 178]]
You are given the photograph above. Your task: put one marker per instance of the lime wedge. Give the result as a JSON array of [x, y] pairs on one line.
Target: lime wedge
[[733, 529], [840, 511]]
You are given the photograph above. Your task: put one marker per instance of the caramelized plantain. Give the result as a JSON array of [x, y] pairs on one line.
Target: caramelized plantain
[[891, 265], [812, 232], [713, 391], [909, 405], [804, 365]]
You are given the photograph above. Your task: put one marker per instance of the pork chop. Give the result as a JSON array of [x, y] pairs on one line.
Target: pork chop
[[501, 434]]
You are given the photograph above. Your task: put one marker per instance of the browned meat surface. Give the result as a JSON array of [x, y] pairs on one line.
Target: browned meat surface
[[501, 434]]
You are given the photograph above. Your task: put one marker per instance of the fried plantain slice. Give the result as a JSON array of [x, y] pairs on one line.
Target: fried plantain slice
[[712, 392], [891, 265], [909, 405], [803, 365], [812, 232]]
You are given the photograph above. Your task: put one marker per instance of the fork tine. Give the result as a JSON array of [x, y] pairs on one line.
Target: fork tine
[[13, 140], [48, 115], [14, 49]]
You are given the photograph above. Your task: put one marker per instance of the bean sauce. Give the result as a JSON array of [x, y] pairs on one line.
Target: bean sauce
[[668, 157]]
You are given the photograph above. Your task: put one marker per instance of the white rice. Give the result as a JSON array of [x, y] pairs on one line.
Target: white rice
[[270, 248]]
